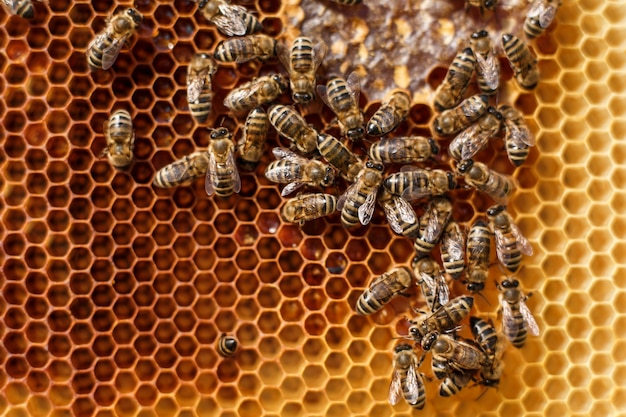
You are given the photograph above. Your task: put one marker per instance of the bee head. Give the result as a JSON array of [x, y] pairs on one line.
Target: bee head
[[464, 165], [135, 15], [280, 80], [506, 37], [302, 97], [429, 340], [434, 149], [356, 134], [475, 286], [493, 111], [490, 4], [480, 34], [374, 165], [220, 133], [510, 283], [402, 347]]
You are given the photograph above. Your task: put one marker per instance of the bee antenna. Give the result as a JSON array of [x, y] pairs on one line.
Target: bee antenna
[[480, 294]]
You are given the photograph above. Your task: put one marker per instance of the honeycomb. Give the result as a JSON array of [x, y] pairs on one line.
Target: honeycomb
[[114, 293]]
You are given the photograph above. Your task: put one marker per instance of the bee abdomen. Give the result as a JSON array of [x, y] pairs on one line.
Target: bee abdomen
[[302, 55]]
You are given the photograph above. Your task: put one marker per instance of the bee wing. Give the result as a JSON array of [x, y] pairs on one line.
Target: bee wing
[[398, 210], [240, 94], [454, 244], [291, 187], [490, 69], [474, 141], [322, 93], [211, 173], [282, 153], [433, 227], [231, 165], [230, 20], [529, 319], [412, 385], [284, 55], [536, 8], [478, 249], [319, 52], [195, 84], [395, 388], [500, 243], [351, 192], [11, 5], [522, 243], [109, 54], [520, 135], [392, 218], [508, 320], [355, 86], [546, 16], [366, 210]]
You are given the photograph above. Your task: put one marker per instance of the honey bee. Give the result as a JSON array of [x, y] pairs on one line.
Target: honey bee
[[510, 242], [453, 381], [245, 49], [400, 214], [339, 156], [476, 137], [382, 289], [22, 8], [103, 50], [227, 346], [517, 136], [199, 89], [517, 320], [390, 114], [432, 282], [229, 19], [407, 378], [250, 147], [478, 175], [481, 4], [403, 150], [487, 64], [302, 62], [444, 319], [453, 250], [183, 171], [222, 177], [478, 248], [259, 91], [460, 117], [342, 96], [432, 224], [540, 15], [413, 183], [451, 91], [358, 202], [291, 125], [457, 354], [522, 60], [296, 171], [120, 139], [305, 207], [490, 342]]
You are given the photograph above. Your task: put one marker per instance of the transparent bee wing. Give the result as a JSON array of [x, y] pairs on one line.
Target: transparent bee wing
[[477, 250], [283, 153], [500, 244], [195, 84], [474, 144], [546, 16], [211, 173], [230, 20], [522, 243], [231, 165], [434, 226], [395, 388], [443, 291], [529, 319], [454, 244], [536, 8], [354, 85], [291, 187], [322, 93], [350, 193], [109, 54], [411, 394], [11, 5], [284, 55], [240, 94], [319, 52], [508, 321], [519, 134], [392, 218], [414, 193], [490, 69], [366, 210]]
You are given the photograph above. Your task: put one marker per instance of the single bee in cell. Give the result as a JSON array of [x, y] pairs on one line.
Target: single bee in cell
[[413, 183], [510, 242], [227, 346], [382, 289], [290, 124], [22, 8], [400, 214], [393, 110], [250, 147], [478, 249], [183, 171], [478, 175], [245, 49], [517, 320], [540, 15], [403, 150], [222, 177], [453, 250], [261, 90], [103, 50], [444, 319], [229, 19], [462, 116], [406, 378], [476, 137], [120, 139], [517, 135], [458, 355], [306, 207], [302, 62], [432, 282], [432, 224], [297, 171], [339, 156], [451, 91], [522, 60], [487, 64], [342, 96], [481, 4], [357, 204], [199, 89]]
